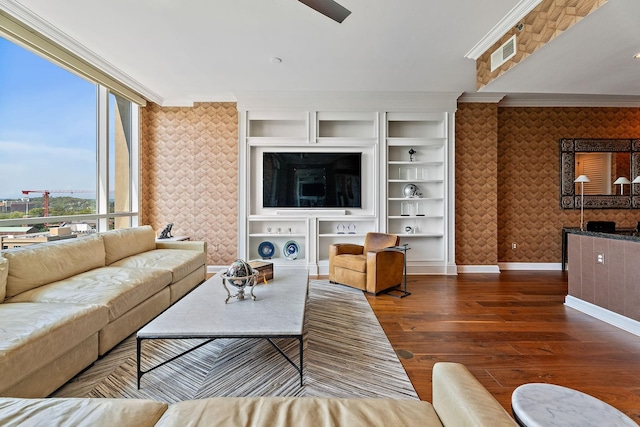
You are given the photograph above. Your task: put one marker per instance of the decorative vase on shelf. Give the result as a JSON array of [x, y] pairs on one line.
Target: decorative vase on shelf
[[412, 154]]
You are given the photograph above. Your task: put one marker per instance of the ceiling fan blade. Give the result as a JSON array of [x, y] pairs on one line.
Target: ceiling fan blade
[[328, 8]]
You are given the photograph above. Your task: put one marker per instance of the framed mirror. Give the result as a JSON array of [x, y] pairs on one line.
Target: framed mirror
[[604, 162]]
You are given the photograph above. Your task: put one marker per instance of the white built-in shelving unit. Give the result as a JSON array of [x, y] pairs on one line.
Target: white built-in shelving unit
[[419, 220], [383, 130]]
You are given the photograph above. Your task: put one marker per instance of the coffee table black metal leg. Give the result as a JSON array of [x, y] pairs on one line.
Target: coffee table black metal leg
[[138, 346], [301, 358], [299, 368]]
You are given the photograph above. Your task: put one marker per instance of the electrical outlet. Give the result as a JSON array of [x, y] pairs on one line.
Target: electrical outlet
[[600, 258], [514, 246]]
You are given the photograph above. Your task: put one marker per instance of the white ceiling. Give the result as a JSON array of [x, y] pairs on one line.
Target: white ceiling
[[180, 52]]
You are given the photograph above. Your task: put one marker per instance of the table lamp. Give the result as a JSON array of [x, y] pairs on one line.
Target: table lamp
[[582, 179], [622, 181]]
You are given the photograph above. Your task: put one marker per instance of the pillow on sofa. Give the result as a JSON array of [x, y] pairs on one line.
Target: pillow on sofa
[[4, 269], [122, 243], [36, 265]]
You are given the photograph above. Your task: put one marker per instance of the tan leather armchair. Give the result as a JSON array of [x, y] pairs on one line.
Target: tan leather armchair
[[369, 267]]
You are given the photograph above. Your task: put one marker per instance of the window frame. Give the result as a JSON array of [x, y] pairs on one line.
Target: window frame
[[102, 217]]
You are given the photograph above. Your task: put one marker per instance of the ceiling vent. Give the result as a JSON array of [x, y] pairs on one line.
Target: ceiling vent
[[503, 53]]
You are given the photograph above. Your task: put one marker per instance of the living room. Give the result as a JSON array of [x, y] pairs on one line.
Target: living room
[[505, 212]]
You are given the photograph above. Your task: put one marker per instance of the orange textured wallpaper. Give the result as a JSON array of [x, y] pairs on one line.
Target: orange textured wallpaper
[[476, 184], [544, 23], [189, 168], [529, 211]]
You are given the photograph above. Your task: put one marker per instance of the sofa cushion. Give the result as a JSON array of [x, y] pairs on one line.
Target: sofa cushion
[[35, 265], [122, 243], [299, 412], [34, 334], [116, 288], [4, 270], [80, 412], [179, 262]]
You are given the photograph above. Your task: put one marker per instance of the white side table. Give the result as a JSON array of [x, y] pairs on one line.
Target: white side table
[[549, 405], [174, 239]]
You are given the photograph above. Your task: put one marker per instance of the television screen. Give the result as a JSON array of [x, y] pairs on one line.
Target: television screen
[[311, 179]]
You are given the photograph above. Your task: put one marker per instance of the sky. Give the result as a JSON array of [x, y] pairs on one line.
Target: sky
[[47, 126]]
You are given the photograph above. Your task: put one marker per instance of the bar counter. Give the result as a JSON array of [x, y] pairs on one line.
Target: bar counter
[[604, 276]]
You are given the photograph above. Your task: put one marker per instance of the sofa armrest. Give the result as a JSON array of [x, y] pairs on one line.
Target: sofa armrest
[[460, 400], [185, 244]]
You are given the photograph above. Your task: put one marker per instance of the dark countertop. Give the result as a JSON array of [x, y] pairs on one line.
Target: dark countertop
[[629, 234]]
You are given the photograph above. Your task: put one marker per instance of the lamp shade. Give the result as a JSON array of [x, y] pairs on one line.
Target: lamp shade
[[636, 180], [622, 180], [582, 178]]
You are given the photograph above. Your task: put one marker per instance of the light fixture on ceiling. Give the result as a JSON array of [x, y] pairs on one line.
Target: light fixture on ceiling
[[276, 60], [622, 181], [582, 179], [637, 55]]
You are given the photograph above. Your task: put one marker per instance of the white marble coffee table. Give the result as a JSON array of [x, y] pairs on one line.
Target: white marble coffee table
[[277, 312], [549, 405]]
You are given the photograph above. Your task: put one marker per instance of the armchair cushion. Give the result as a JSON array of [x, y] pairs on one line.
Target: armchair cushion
[[352, 262]]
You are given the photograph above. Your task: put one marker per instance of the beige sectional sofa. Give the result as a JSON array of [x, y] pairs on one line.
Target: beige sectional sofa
[[65, 303], [458, 400]]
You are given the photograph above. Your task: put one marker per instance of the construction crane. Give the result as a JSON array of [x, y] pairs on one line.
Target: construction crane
[[45, 196]]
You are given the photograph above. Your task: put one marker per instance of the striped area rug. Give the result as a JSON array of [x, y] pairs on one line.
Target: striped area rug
[[346, 354]]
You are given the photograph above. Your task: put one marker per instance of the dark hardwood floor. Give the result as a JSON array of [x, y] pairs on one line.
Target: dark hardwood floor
[[510, 329]]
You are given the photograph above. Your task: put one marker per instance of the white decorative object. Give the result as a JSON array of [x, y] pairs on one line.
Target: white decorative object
[[406, 209]]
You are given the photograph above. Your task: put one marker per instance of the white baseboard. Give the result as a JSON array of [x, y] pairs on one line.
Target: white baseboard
[[603, 314], [478, 269], [540, 266]]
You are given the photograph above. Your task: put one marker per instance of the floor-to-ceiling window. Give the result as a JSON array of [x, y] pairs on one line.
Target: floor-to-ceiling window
[[68, 147]]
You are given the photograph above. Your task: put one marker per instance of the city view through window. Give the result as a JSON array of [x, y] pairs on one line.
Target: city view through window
[[50, 147], [47, 137]]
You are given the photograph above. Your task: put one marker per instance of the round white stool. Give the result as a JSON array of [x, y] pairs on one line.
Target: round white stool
[[549, 405]]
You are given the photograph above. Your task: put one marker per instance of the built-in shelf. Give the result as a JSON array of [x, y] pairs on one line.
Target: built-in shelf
[[416, 154], [402, 147]]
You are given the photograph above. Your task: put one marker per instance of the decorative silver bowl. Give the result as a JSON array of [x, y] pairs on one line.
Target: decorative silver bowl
[[240, 275]]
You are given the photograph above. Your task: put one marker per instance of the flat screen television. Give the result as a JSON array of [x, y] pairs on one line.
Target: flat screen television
[[311, 180]]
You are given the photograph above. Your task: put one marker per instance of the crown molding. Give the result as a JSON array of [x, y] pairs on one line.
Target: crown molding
[[505, 24], [39, 25], [569, 100], [481, 98], [349, 101]]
